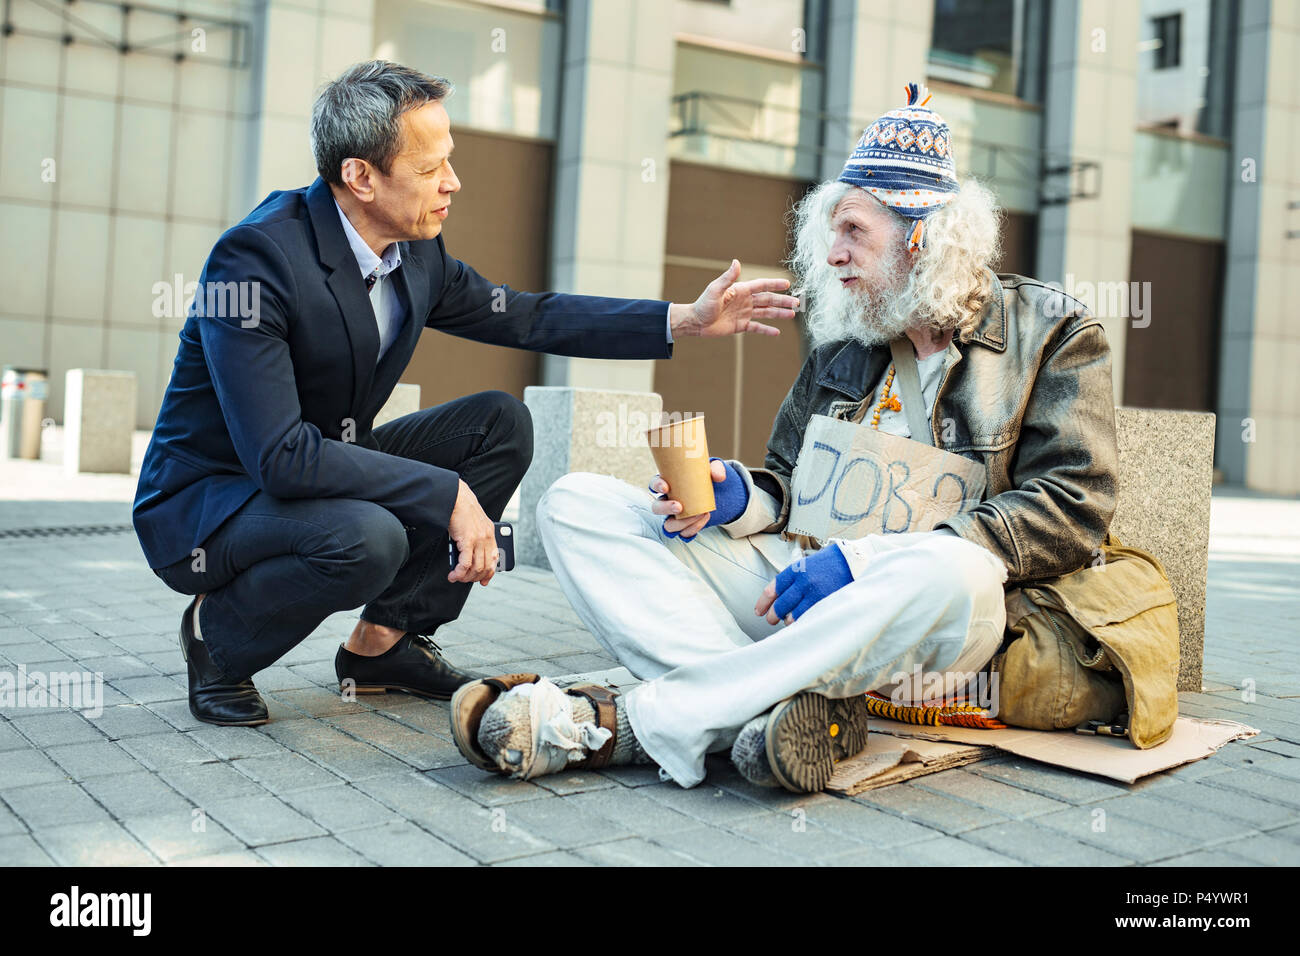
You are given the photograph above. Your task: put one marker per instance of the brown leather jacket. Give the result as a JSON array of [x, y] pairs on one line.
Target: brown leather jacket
[[1029, 395]]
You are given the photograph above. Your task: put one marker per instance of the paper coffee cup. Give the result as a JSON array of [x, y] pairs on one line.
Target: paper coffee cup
[[682, 456]]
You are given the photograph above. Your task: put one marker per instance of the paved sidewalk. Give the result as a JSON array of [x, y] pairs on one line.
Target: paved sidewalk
[[380, 781]]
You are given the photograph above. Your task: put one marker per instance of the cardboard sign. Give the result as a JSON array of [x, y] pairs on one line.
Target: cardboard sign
[[852, 480]]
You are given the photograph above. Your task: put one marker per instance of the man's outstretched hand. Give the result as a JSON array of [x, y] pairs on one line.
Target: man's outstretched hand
[[726, 306]]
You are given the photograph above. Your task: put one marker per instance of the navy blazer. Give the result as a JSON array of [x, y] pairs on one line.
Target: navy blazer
[[267, 402]]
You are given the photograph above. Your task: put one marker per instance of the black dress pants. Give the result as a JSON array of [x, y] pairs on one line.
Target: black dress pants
[[277, 567]]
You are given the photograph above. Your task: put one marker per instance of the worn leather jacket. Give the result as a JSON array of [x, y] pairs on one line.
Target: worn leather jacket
[[1029, 395]]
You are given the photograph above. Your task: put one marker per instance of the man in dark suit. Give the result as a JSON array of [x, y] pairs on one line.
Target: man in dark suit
[[264, 491]]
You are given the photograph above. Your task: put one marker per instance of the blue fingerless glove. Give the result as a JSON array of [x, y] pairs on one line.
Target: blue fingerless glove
[[808, 580], [731, 498]]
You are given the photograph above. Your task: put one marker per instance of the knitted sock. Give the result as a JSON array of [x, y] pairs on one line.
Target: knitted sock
[[505, 735], [749, 753]]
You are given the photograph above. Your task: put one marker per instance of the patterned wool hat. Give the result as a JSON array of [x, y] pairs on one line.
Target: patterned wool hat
[[904, 159]]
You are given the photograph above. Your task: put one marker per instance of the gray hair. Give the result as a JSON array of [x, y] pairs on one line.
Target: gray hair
[[947, 286], [357, 115]]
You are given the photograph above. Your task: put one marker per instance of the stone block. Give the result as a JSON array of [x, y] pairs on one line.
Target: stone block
[[1166, 460], [582, 429], [98, 421], [404, 400]]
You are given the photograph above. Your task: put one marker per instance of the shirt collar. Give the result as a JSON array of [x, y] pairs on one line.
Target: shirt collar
[[367, 261]]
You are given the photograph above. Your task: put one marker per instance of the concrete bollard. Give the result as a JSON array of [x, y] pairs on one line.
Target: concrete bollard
[[582, 429], [1166, 461], [98, 420]]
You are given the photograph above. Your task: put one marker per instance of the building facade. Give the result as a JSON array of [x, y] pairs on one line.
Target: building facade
[[1147, 155]]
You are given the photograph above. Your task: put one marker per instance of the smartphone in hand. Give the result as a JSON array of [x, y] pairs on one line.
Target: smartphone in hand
[[505, 547]]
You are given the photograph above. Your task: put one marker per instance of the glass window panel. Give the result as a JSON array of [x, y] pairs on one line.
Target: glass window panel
[[1185, 65]]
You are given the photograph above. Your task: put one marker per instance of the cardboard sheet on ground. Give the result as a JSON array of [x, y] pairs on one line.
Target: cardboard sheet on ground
[[851, 481], [1193, 739]]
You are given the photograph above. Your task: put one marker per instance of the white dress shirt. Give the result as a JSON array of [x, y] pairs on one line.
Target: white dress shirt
[[390, 311]]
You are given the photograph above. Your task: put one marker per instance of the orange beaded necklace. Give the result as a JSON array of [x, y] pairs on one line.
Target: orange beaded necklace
[[888, 401]]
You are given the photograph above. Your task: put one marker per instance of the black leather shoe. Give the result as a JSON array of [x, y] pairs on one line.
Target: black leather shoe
[[214, 697], [414, 665]]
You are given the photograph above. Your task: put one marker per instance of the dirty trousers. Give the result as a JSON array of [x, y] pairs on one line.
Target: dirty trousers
[[680, 616]]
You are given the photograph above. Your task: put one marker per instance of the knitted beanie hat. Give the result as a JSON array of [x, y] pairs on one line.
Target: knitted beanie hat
[[904, 159]]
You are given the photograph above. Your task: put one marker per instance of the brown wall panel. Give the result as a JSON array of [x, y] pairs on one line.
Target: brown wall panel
[[1172, 362], [726, 214], [1019, 243], [499, 224]]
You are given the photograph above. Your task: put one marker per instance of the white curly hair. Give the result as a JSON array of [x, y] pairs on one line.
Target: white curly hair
[[946, 287]]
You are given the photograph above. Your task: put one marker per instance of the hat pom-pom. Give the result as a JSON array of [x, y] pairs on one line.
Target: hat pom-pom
[[915, 91]]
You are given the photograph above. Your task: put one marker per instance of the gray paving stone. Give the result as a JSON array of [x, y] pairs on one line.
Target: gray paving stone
[[135, 794], [420, 750], [54, 804], [1262, 785], [1024, 840], [633, 811], [165, 750], [205, 783], [563, 823], [19, 849], [25, 768], [488, 789], [10, 739], [705, 804], [9, 822], [718, 847], [1206, 859], [102, 843], [793, 835], [54, 727], [261, 819], [932, 809], [231, 858], [176, 835], [634, 852], [1072, 788], [562, 784], [403, 844], [95, 759], [1176, 817], [233, 743], [961, 784], [148, 690], [128, 720], [555, 858], [1266, 849], [947, 851], [285, 772], [339, 808], [1121, 836], [319, 851]]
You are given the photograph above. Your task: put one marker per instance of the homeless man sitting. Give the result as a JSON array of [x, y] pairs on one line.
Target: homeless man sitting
[[750, 637]]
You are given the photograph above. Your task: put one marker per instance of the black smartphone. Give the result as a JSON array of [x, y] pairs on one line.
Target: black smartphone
[[505, 547]]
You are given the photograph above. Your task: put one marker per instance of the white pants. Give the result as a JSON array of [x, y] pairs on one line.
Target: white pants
[[680, 616]]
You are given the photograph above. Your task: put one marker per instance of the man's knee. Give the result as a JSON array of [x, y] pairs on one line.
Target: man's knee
[[580, 497], [364, 548], [511, 425]]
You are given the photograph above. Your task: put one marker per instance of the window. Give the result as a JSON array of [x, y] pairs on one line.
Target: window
[[994, 45], [1185, 63], [1167, 44]]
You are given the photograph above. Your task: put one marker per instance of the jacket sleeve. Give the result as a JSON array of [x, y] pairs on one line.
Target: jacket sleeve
[[252, 373], [1064, 473], [583, 326]]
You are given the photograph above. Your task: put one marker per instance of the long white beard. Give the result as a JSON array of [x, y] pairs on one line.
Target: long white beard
[[870, 316]]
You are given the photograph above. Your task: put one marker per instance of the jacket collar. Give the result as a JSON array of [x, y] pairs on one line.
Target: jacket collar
[[349, 289], [854, 367]]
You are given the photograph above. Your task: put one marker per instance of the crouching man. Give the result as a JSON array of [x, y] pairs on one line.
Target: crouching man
[[744, 639]]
